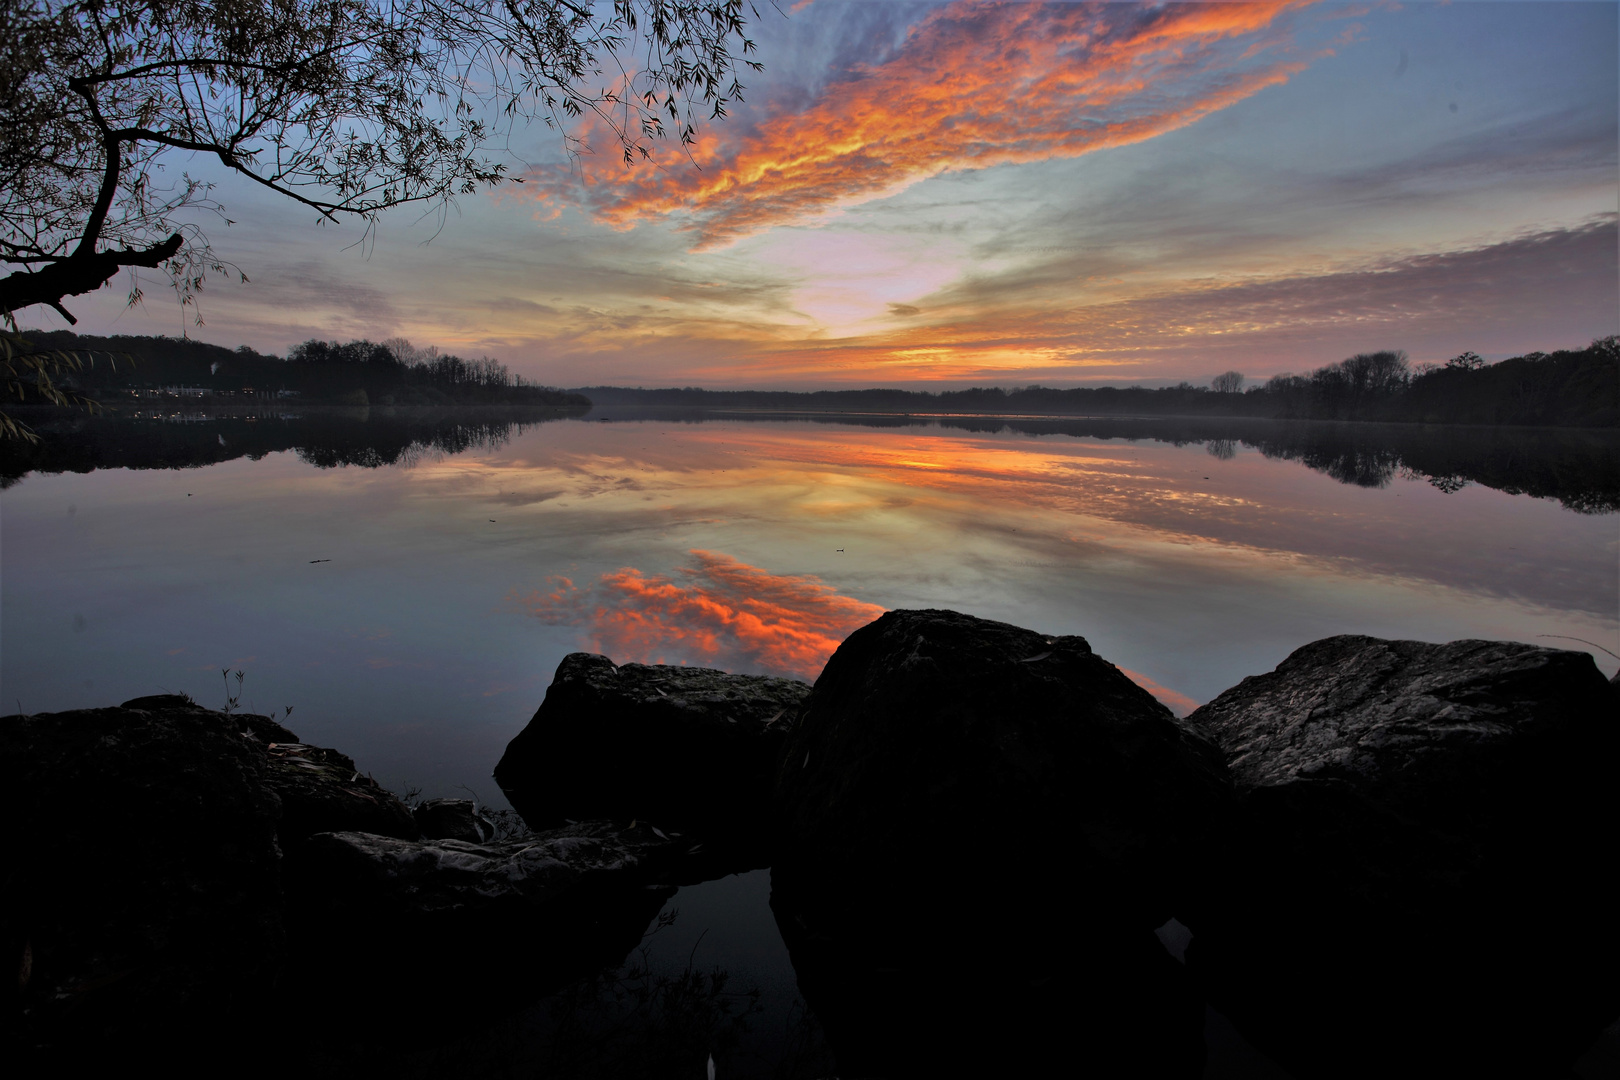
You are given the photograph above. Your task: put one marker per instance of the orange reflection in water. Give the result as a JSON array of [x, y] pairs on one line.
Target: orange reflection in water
[[723, 612], [1174, 700]]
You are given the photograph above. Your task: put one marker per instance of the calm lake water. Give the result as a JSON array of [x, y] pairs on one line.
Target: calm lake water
[[409, 583]]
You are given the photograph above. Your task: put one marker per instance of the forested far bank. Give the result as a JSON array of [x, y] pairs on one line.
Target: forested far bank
[[1568, 388], [136, 369]]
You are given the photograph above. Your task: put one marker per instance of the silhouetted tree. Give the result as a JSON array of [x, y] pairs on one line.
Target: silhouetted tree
[[348, 107], [1228, 382]]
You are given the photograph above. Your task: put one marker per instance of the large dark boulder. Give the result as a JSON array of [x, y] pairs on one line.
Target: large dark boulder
[[143, 903], [933, 733], [320, 789], [682, 747], [981, 826], [1420, 859]]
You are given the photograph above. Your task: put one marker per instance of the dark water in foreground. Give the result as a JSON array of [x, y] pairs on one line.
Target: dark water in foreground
[[408, 580]]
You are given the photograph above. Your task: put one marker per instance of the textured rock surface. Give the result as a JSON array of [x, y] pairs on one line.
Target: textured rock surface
[[452, 819], [321, 790], [981, 827], [1422, 839], [678, 746], [1424, 729], [144, 876], [380, 875]]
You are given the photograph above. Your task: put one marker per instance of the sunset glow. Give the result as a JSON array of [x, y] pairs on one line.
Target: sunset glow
[[977, 193], [974, 85]]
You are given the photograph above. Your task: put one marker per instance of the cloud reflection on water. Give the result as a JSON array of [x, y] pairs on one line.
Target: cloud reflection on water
[[417, 649], [723, 613], [1174, 700]]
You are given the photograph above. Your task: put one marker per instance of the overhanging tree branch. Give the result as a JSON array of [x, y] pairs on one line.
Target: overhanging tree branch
[[77, 275], [347, 107]]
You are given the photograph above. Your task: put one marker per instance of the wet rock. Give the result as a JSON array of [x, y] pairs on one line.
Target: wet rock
[[322, 790], [1418, 860], [682, 747], [987, 815], [452, 819], [144, 878]]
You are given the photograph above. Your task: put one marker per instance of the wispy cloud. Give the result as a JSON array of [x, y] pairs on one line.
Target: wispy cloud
[[973, 85], [720, 612]]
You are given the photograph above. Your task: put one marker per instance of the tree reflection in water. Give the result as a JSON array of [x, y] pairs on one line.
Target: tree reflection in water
[[1578, 467]]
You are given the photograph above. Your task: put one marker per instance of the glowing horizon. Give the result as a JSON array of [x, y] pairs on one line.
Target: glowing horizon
[[977, 193]]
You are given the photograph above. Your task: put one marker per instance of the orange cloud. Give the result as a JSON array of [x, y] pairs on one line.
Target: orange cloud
[[725, 614], [1174, 700], [975, 84]]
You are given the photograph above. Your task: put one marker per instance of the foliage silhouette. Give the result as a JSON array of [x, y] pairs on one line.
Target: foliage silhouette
[[1570, 388], [350, 373], [347, 107]]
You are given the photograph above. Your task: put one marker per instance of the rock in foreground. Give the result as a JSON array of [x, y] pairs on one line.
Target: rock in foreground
[[982, 825], [689, 748], [1420, 858], [322, 790], [144, 898], [153, 917], [516, 919]]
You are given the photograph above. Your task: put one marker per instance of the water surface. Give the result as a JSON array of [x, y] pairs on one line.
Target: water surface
[[412, 613], [408, 583]]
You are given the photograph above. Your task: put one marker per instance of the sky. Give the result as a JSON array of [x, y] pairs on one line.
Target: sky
[[947, 195]]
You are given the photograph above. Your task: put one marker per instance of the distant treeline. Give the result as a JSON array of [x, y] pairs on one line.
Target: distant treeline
[[392, 372], [1579, 388]]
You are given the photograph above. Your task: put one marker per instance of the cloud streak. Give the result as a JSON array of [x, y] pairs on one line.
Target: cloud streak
[[721, 612], [973, 85]]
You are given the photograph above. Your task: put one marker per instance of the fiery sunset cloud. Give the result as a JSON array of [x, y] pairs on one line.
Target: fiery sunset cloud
[[722, 613], [974, 85], [950, 193]]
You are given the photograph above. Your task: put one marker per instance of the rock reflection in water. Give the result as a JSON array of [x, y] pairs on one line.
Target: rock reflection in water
[[942, 994], [646, 994]]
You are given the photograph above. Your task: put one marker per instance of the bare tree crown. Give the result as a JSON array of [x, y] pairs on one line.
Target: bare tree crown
[[348, 107]]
